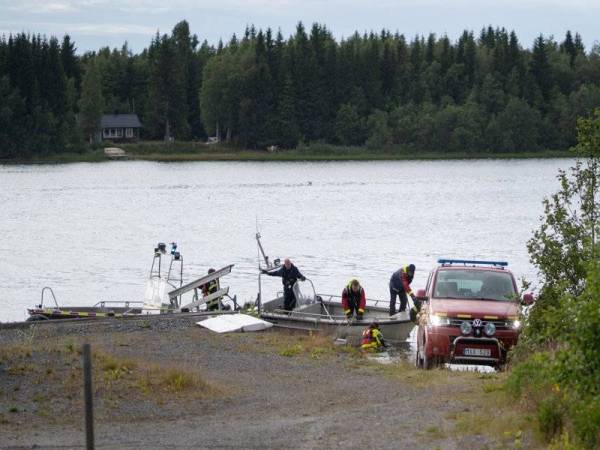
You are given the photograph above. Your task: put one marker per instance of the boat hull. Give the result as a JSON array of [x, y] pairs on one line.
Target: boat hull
[[328, 317]]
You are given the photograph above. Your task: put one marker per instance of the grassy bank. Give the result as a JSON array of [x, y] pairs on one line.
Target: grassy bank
[[197, 151]]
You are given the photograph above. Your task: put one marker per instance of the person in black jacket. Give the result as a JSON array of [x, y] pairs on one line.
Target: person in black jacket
[[400, 286], [289, 274]]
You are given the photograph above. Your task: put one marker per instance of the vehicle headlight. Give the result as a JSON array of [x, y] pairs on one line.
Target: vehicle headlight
[[466, 327], [438, 321], [489, 329], [515, 324]]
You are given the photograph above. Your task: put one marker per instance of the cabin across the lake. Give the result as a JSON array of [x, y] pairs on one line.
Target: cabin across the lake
[[120, 127]]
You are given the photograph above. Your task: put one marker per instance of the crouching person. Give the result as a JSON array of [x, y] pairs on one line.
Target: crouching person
[[354, 300], [372, 339]]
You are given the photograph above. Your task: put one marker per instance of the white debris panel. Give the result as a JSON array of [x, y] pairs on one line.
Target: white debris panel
[[231, 323]]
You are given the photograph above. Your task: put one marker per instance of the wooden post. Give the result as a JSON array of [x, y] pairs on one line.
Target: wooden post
[[87, 394]]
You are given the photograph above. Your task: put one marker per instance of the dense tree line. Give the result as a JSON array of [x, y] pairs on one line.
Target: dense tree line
[[480, 93]]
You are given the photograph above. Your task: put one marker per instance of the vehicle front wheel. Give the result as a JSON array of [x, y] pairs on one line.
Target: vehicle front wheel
[[429, 363], [418, 359], [500, 366], [422, 361]]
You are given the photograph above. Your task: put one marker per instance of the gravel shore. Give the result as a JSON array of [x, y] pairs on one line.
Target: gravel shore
[[272, 389]]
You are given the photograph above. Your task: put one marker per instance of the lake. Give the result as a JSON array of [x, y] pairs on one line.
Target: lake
[[89, 230]]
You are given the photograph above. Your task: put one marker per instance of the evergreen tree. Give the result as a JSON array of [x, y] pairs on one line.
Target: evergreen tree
[[91, 103], [540, 69], [13, 132], [70, 61], [167, 89], [350, 127], [185, 45], [287, 133], [568, 47]]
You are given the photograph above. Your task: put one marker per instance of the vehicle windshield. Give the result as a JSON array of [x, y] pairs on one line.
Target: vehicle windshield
[[479, 284]]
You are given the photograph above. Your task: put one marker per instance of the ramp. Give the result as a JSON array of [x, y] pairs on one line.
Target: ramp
[[199, 282], [220, 293]]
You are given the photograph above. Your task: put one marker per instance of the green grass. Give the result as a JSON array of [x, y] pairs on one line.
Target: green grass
[[60, 158], [316, 152], [485, 407], [198, 151], [117, 379], [313, 345]]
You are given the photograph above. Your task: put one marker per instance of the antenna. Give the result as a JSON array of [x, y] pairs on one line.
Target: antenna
[[261, 250]]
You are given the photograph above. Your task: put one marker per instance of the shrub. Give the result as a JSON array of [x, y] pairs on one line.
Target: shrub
[[586, 422], [551, 416], [557, 363]]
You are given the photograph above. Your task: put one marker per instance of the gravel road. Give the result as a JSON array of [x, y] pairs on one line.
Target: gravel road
[[267, 400]]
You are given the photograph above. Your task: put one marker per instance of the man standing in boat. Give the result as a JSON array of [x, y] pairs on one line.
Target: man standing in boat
[[354, 299], [400, 286], [289, 274]]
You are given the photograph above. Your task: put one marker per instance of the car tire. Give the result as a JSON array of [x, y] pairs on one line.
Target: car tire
[[428, 363], [425, 362], [418, 356]]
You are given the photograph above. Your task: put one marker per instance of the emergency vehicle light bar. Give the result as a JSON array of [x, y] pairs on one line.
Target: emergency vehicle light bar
[[443, 261]]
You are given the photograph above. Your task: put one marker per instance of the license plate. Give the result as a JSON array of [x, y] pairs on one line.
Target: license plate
[[477, 352]]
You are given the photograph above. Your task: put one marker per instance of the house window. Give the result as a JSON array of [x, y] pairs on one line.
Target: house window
[[113, 132], [129, 132]]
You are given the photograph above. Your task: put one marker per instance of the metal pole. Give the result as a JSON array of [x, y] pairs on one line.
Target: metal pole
[[87, 394], [259, 299]]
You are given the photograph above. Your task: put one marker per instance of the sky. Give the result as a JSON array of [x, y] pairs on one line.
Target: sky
[[96, 23]]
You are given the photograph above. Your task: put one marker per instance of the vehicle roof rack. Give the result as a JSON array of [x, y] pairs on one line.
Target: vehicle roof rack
[[449, 262]]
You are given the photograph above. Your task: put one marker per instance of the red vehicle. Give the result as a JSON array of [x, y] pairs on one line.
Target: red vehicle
[[470, 314]]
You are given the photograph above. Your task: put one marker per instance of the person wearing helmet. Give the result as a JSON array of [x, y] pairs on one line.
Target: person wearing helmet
[[354, 299], [289, 274], [400, 286], [372, 338]]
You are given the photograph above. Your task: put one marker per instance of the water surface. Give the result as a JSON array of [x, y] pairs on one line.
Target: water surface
[[88, 230]]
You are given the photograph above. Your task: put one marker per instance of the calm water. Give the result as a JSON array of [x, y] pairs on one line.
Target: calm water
[[88, 230]]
